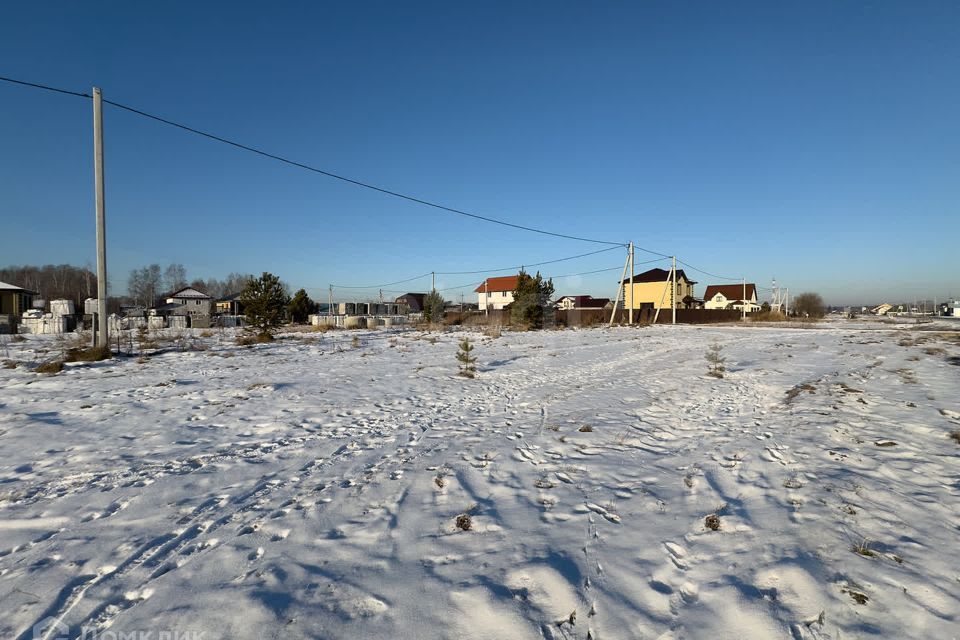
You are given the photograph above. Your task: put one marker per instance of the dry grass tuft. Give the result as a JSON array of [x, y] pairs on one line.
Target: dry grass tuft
[[956, 436], [89, 354], [863, 549], [464, 522], [858, 596], [795, 391], [712, 522], [51, 367], [585, 429], [492, 331], [249, 339], [17, 338]]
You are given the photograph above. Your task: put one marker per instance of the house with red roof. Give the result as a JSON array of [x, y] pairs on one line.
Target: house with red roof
[[496, 293]]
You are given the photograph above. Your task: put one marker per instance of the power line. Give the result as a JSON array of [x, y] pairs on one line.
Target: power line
[[380, 286], [585, 273], [369, 186], [359, 183], [522, 266], [454, 273], [712, 275], [46, 88], [329, 174], [565, 275], [651, 251]]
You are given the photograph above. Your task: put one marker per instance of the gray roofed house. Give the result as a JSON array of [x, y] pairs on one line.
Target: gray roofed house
[[192, 301]]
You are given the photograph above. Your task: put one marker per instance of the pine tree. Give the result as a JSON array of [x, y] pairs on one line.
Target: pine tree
[[529, 299], [468, 368], [301, 306], [264, 302], [433, 307], [715, 361]]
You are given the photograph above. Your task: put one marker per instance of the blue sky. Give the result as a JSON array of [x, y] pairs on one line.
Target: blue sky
[[812, 142]]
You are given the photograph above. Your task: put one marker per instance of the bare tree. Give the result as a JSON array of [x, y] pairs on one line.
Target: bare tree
[[53, 282], [175, 277], [144, 284]]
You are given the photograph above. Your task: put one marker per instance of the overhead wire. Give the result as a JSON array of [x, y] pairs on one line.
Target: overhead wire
[[453, 273], [301, 165], [712, 275], [369, 186], [523, 266], [46, 87]]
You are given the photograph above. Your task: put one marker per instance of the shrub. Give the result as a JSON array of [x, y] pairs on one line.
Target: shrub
[[468, 368], [264, 301], [809, 305]]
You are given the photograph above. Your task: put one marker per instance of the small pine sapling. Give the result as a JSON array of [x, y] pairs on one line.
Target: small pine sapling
[[715, 361], [468, 368]]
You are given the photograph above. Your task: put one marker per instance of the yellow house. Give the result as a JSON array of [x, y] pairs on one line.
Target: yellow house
[[652, 290]]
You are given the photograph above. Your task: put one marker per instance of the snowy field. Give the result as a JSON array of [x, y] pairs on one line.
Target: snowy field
[[310, 488]]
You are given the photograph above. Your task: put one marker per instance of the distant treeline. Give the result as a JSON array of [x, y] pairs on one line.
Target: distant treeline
[[145, 286], [54, 281], [148, 285]]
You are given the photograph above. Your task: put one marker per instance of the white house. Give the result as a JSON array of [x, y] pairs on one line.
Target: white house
[[496, 293], [567, 303], [731, 296]]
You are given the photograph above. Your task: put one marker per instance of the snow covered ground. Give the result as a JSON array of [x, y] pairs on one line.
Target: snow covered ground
[[311, 487]]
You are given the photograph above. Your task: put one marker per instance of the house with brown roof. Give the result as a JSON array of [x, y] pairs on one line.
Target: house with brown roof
[[496, 293], [652, 290], [414, 302], [731, 296], [567, 303]]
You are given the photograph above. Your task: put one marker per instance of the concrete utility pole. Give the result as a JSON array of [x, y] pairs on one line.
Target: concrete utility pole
[[433, 281], [103, 339], [744, 299], [630, 311], [330, 301], [621, 290], [673, 294]]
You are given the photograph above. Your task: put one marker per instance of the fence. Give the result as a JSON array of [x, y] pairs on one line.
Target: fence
[[596, 317]]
